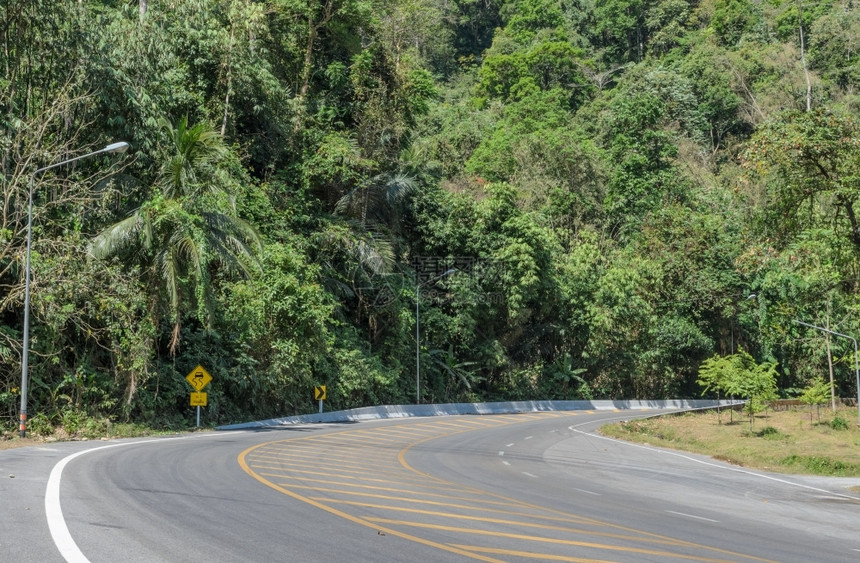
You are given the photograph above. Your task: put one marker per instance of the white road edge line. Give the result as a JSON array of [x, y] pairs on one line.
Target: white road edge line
[[693, 516], [723, 467], [54, 512], [587, 492]]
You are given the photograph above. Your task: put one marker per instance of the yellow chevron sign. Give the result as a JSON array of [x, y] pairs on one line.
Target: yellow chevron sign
[[319, 393]]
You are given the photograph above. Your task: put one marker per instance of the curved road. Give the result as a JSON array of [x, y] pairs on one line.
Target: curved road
[[522, 487]]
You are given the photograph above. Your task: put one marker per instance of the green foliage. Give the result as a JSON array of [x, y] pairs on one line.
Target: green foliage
[[733, 19], [611, 179], [770, 433], [818, 465], [621, 28], [816, 393], [535, 116], [787, 22], [812, 160], [188, 228], [738, 375], [540, 67], [839, 423], [833, 45]]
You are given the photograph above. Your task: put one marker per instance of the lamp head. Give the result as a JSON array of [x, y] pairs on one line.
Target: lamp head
[[119, 147]]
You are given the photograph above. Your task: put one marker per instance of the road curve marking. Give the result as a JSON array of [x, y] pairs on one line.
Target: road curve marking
[[286, 466], [54, 510], [355, 519]]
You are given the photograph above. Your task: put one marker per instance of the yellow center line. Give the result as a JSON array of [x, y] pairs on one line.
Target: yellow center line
[[477, 531], [419, 501], [425, 489], [454, 516], [666, 554], [394, 490], [289, 462], [356, 519], [307, 458], [533, 556], [402, 457], [311, 471]]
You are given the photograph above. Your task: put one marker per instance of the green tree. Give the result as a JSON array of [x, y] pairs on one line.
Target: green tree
[[187, 228], [734, 18], [644, 147], [739, 375], [834, 44], [809, 161], [621, 29], [715, 373], [816, 393]]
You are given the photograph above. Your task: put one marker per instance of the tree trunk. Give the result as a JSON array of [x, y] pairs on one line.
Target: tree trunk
[[830, 361], [803, 57], [313, 32], [309, 49], [229, 84], [852, 220]]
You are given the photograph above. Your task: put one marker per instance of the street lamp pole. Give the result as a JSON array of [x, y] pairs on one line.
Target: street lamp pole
[[856, 362], [417, 336], [119, 147]]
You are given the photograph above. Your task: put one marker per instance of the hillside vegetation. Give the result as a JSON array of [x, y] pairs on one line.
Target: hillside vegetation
[[595, 197]]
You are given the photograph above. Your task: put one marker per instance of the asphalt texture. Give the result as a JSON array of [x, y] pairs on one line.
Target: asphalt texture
[[516, 487]]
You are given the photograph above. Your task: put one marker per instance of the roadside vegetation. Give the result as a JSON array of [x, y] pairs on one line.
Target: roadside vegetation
[[532, 199], [795, 440]]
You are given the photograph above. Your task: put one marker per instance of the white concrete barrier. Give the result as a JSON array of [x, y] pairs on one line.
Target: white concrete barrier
[[406, 411]]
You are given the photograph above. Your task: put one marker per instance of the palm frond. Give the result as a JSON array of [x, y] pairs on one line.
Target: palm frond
[[117, 237], [170, 276], [363, 249], [183, 244], [378, 200], [398, 187], [197, 148], [375, 254]]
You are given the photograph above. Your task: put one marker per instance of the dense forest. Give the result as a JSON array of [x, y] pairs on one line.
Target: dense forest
[[524, 199]]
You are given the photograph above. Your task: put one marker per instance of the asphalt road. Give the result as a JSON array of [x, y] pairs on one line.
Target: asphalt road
[[522, 487]]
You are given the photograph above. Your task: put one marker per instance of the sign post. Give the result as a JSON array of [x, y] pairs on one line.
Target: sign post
[[198, 378], [319, 395]]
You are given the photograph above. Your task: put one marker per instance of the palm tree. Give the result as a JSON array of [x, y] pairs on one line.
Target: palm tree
[[188, 229]]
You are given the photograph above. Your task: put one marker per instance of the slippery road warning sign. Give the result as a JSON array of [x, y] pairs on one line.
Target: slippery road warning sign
[[198, 378]]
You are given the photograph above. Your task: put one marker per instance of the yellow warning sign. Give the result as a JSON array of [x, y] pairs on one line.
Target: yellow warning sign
[[198, 399], [198, 378]]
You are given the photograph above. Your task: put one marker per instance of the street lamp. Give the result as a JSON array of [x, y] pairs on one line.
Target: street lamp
[[417, 338], [856, 364], [119, 147]]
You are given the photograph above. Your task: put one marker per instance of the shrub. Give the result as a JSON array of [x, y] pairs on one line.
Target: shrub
[[839, 423]]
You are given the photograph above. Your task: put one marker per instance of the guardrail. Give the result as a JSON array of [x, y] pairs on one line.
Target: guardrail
[[448, 409]]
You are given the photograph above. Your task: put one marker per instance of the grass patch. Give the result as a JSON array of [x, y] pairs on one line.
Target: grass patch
[[817, 465], [73, 429], [784, 441]]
